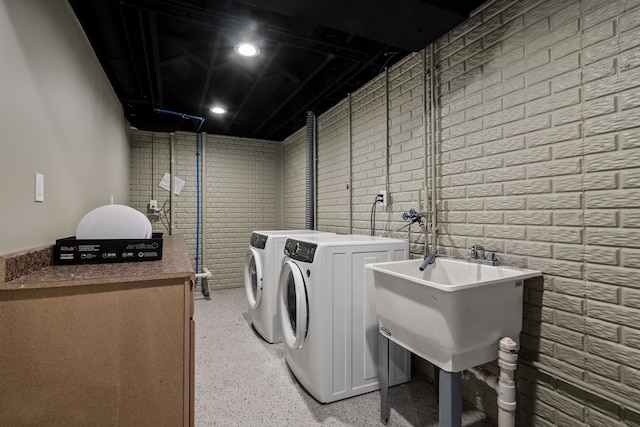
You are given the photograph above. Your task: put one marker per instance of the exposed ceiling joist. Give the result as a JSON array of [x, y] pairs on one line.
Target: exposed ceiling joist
[[179, 55]]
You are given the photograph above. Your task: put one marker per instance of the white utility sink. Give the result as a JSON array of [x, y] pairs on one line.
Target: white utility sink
[[453, 313]]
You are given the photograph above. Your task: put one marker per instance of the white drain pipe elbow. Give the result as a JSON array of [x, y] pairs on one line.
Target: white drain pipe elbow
[[485, 376], [206, 275]]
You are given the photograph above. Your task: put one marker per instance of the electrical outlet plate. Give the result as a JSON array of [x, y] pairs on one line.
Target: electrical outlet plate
[[153, 205], [383, 193]]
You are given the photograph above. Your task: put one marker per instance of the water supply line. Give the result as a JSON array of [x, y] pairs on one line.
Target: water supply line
[[429, 148], [504, 384], [432, 107], [387, 141], [350, 181], [412, 216], [197, 199], [152, 164], [172, 185], [205, 280]]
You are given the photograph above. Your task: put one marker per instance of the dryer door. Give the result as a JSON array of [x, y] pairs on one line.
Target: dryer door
[[253, 277], [293, 305]]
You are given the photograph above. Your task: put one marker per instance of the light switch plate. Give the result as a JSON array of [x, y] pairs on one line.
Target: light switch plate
[[39, 187]]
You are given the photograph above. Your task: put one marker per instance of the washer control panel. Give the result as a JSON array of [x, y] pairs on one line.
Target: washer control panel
[[258, 240], [300, 251]]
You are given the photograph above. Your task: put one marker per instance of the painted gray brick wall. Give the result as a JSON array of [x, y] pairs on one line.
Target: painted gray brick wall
[[386, 135], [242, 177], [369, 154], [294, 158], [538, 159], [537, 123], [240, 194], [333, 170]]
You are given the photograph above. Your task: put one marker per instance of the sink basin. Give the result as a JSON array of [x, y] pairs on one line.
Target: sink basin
[[453, 313]]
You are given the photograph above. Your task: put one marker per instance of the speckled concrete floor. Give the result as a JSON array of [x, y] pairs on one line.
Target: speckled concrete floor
[[241, 380]]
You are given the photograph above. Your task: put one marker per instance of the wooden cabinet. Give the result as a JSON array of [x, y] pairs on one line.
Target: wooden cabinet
[[109, 344]]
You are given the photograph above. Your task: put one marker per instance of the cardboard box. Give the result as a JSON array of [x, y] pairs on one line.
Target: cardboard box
[[73, 251]]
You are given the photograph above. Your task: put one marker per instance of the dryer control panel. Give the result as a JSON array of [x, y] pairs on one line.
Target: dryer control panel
[[300, 251], [258, 240]]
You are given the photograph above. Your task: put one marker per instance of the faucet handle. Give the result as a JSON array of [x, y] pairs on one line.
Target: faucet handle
[[477, 250], [491, 257]]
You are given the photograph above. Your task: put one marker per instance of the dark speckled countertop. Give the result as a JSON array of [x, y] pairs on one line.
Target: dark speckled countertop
[[175, 263]]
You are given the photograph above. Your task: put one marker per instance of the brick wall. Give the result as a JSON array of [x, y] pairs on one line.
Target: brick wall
[[385, 130], [333, 170], [538, 159], [294, 160], [537, 139], [240, 194], [368, 154]]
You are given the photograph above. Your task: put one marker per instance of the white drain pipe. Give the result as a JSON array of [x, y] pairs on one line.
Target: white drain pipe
[[206, 275], [505, 384]]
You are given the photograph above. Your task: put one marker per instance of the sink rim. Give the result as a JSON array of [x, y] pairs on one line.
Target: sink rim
[[516, 273]]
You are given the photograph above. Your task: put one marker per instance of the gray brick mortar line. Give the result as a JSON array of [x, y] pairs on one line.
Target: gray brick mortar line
[[618, 400]]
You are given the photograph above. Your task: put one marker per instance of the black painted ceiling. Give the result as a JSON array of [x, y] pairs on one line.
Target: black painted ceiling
[[178, 55]]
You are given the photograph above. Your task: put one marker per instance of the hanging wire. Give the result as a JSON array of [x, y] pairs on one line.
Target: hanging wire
[[373, 214]]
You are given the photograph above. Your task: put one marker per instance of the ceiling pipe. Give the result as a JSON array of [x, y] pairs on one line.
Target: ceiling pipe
[[193, 15], [217, 45], [130, 47], [253, 87], [146, 57], [326, 62], [347, 75], [153, 34]]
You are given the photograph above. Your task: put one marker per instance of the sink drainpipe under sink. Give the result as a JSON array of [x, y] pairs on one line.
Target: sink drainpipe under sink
[[504, 384]]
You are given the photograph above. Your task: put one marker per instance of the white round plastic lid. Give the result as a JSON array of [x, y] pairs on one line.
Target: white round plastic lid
[[114, 222]]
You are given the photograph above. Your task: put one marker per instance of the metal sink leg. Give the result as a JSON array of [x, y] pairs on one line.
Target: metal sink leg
[[383, 376]]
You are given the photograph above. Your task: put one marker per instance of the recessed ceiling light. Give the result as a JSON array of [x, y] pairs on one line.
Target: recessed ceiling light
[[246, 49], [217, 110]]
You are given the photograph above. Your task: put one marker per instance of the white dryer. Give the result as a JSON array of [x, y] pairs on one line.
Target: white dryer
[[328, 314], [261, 273]]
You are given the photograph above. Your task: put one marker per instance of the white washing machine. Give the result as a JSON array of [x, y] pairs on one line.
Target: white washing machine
[[261, 273], [326, 299]]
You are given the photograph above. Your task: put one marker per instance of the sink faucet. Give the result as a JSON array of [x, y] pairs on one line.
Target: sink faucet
[[477, 256], [477, 251], [429, 258]]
